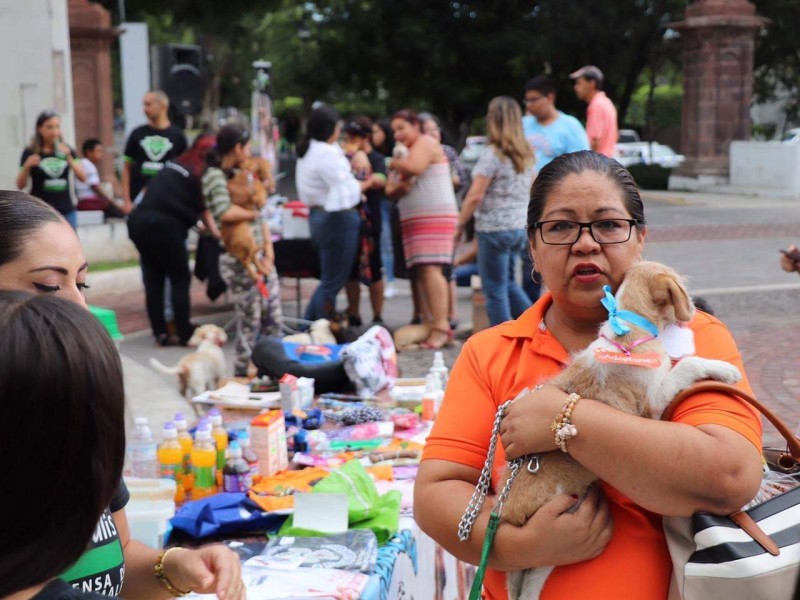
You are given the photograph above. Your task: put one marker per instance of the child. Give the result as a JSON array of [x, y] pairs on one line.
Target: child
[[91, 195]]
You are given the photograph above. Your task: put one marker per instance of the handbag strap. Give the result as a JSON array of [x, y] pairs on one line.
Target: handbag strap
[[717, 386]]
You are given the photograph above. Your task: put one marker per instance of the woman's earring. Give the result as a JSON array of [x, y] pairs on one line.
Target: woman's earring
[[534, 272]]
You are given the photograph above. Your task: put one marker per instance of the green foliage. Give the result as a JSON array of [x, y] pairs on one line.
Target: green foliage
[[666, 110]]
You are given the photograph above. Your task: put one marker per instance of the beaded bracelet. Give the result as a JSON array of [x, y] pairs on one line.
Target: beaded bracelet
[[562, 425], [161, 575]]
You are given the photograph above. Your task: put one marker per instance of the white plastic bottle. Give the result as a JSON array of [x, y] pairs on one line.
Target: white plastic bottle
[[143, 451], [440, 369], [432, 390]]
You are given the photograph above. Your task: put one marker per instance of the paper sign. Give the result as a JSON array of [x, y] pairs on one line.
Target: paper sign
[[651, 360], [321, 512]]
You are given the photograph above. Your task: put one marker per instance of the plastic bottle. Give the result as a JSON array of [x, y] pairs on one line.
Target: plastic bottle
[[170, 459], [220, 436], [440, 369], [430, 396], [142, 458], [247, 452], [185, 440], [236, 474], [204, 465]]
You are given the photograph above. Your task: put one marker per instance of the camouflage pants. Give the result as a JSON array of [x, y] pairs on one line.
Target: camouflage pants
[[255, 314]]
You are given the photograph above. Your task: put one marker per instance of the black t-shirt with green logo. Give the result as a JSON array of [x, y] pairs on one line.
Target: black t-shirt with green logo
[[148, 149], [50, 180], [101, 569]]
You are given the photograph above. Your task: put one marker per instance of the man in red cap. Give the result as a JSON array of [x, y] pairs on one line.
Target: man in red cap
[[601, 115]]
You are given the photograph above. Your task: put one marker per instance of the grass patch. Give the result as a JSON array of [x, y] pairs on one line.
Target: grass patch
[[111, 265]]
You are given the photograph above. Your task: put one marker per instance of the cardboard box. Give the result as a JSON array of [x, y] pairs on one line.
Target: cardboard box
[[268, 441]]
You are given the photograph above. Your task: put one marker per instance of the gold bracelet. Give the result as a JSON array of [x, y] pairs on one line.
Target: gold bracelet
[[161, 575], [562, 425]]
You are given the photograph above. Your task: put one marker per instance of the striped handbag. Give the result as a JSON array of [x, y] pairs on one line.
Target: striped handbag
[[749, 555]]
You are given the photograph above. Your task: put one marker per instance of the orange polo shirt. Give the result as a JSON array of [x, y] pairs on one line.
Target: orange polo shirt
[[497, 364]]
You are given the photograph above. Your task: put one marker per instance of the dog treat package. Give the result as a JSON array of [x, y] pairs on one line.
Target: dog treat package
[[268, 441]]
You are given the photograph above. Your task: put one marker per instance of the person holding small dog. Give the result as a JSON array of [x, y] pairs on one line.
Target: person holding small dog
[[41, 254], [258, 308], [326, 183], [586, 227]]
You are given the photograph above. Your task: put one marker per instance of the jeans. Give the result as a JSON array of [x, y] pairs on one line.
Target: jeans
[[387, 254], [497, 254], [532, 289], [72, 218], [463, 274], [335, 235]]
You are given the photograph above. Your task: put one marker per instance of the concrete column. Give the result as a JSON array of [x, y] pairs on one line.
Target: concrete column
[[91, 36], [718, 41]]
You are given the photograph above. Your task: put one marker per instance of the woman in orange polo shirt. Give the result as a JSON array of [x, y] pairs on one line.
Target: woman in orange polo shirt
[[707, 458]]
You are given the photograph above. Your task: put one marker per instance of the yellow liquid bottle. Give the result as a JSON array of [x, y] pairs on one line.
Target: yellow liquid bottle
[[220, 436], [170, 460], [204, 465], [185, 440]]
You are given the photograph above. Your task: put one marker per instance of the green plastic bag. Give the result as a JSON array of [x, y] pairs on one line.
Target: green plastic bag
[[366, 509]]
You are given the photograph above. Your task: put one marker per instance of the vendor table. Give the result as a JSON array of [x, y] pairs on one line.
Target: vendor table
[[297, 259]]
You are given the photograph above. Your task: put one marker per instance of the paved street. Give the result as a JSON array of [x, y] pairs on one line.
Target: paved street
[[726, 245]]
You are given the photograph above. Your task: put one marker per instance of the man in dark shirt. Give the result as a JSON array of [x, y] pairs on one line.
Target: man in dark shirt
[[149, 147]]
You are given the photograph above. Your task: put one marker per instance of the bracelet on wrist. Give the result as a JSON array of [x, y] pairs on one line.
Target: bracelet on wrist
[[562, 425], [161, 575]]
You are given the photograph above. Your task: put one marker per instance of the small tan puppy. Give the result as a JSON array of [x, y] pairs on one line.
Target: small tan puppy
[[655, 292], [248, 189], [199, 371], [409, 337]]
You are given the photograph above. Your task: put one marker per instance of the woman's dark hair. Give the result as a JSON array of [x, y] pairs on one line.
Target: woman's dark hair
[[36, 141], [195, 158], [387, 147], [407, 115], [63, 451], [20, 216], [575, 163], [228, 137], [320, 125]]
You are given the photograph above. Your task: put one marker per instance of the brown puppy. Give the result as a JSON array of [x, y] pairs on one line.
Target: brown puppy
[[199, 371], [409, 337], [655, 292], [248, 189]]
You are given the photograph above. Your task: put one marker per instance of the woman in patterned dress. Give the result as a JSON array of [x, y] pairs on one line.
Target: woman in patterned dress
[[428, 215]]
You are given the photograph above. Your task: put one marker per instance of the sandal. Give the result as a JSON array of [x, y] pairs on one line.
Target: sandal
[[448, 341]]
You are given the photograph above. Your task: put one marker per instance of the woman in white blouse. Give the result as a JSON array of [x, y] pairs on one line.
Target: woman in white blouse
[[326, 183]]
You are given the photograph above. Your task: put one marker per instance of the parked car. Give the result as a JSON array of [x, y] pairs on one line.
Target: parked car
[[647, 153], [792, 136], [626, 136], [472, 150]]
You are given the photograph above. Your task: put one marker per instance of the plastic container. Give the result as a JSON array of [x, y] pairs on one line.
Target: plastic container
[[220, 436], [236, 475], [185, 440], [150, 509], [204, 465], [170, 459], [108, 318], [247, 452], [431, 399], [440, 369], [141, 451]]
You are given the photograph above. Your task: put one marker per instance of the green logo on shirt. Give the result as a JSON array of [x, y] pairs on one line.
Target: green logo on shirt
[[155, 147], [53, 167]]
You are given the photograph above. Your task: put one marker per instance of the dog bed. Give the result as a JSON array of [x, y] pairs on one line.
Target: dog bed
[[274, 358]]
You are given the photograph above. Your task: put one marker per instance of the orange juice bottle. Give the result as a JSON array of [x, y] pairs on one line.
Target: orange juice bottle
[[220, 436], [170, 459], [204, 465], [185, 440]]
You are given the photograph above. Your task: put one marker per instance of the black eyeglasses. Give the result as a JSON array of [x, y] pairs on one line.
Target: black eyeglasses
[[604, 231]]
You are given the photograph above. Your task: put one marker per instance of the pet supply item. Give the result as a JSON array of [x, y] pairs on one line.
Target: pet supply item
[[268, 440], [142, 459], [440, 369], [220, 440], [247, 452], [295, 220], [204, 464], [371, 362], [170, 459], [751, 554], [290, 400], [432, 398], [355, 550], [305, 392], [236, 475], [274, 358], [356, 416], [149, 510], [185, 440]]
